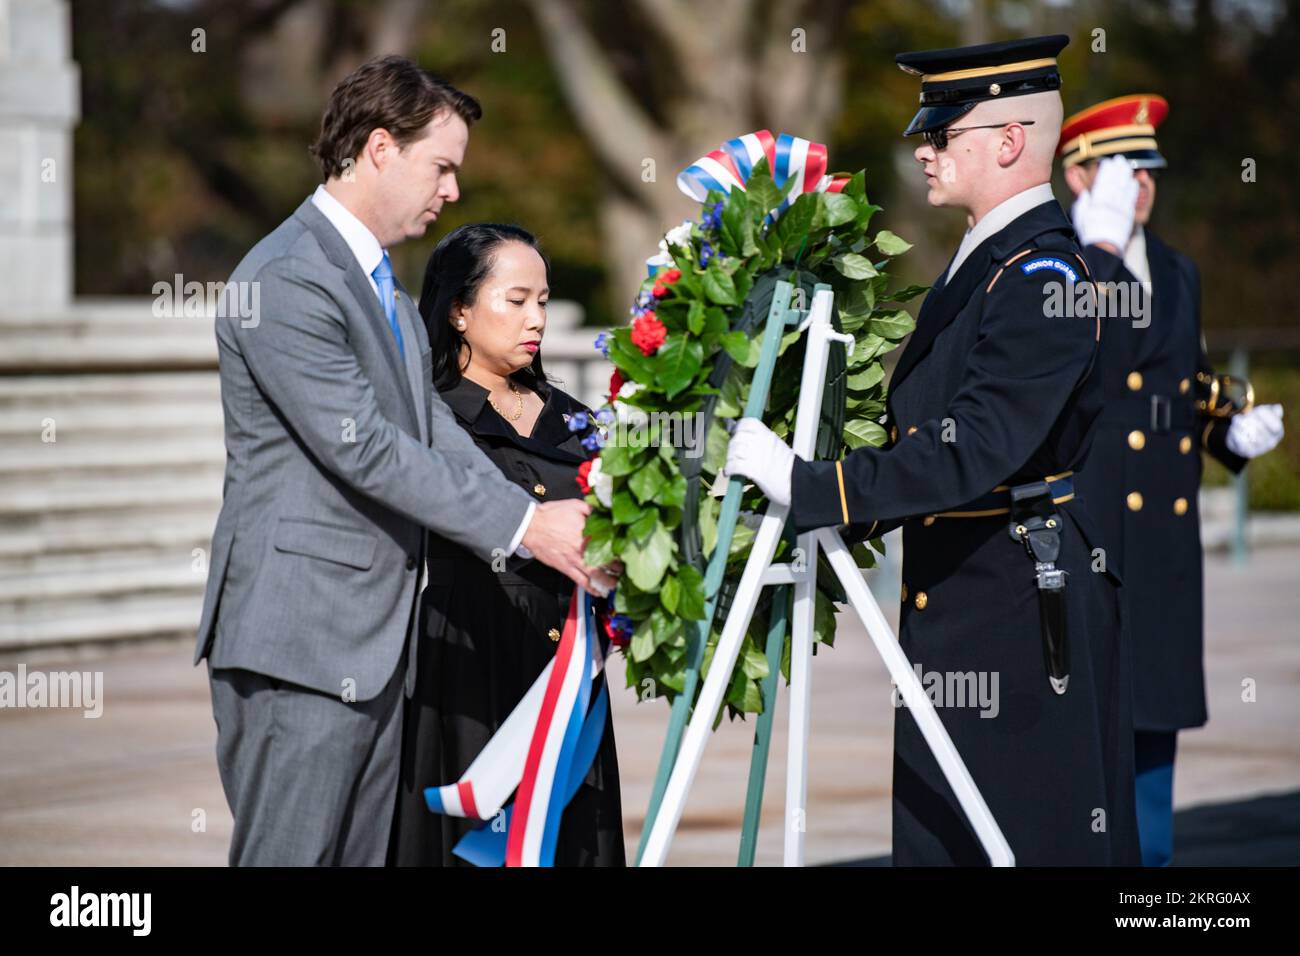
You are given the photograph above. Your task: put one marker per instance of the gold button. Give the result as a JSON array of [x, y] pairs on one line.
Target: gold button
[[928, 520], [904, 593], [1184, 385], [893, 433], [1134, 381], [1185, 444], [553, 634], [921, 600], [539, 489], [1180, 506], [1134, 500], [1136, 440], [911, 429]]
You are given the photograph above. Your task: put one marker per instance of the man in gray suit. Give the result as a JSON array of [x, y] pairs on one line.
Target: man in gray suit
[[339, 455]]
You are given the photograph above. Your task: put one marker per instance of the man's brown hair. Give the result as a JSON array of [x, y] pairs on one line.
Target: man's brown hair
[[389, 92]]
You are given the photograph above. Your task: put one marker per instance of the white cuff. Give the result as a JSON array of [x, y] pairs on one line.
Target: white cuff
[[516, 543]]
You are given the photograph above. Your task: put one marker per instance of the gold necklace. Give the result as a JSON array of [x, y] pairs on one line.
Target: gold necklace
[[519, 399]]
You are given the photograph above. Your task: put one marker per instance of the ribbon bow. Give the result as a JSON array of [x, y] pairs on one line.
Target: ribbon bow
[[798, 166]]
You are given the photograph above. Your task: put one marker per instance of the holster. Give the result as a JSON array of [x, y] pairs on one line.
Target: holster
[[1036, 524]]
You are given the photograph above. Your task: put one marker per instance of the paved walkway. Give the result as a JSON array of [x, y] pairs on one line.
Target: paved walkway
[[139, 785]]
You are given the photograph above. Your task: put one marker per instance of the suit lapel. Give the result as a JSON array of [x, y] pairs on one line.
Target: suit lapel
[[358, 283], [409, 319]]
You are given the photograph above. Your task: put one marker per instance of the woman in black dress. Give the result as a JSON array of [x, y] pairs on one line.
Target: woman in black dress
[[487, 633]]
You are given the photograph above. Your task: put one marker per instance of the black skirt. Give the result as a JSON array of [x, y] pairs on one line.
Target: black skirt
[[484, 640]]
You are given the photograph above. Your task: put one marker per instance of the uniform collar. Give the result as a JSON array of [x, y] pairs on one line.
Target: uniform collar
[[997, 219]]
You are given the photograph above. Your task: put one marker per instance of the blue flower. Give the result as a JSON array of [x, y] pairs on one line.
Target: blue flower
[[602, 344], [622, 625], [577, 421], [593, 441], [645, 300], [712, 218], [606, 416], [706, 253]]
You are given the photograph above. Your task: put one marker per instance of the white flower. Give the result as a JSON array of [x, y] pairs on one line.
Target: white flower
[[679, 236], [601, 483], [629, 389]]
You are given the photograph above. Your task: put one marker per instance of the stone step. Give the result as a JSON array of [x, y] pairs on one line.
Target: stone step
[[103, 575], [87, 620], [105, 335], [199, 486], [146, 390], [129, 453], [154, 421], [24, 541]]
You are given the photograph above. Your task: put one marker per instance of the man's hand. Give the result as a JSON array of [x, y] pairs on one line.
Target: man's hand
[[554, 537], [761, 457], [1103, 216], [1254, 432]]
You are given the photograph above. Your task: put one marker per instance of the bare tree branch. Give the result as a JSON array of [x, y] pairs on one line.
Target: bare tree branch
[[621, 132]]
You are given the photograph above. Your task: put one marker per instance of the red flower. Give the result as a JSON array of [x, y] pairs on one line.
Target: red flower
[[615, 383], [648, 333], [663, 281], [583, 470]]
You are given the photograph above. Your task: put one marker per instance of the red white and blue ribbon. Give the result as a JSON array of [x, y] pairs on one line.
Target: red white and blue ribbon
[[797, 166], [541, 753]]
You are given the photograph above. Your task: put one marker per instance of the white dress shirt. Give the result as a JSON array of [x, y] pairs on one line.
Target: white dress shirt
[[998, 218], [369, 253], [1135, 256]]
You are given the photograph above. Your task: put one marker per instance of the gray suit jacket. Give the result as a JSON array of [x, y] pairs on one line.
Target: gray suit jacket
[[338, 456]]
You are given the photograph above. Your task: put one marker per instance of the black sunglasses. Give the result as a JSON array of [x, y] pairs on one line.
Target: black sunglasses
[[938, 138]]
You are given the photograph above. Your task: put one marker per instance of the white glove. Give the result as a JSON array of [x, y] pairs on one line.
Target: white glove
[[757, 454], [1254, 432], [1105, 212]]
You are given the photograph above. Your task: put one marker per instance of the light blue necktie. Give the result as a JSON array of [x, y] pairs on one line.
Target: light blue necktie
[[383, 276]]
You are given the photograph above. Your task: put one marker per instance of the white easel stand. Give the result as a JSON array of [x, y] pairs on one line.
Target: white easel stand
[[760, 571]]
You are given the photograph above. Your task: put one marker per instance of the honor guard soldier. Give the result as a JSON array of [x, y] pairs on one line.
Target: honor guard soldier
[[991, 410], [1163, 406]]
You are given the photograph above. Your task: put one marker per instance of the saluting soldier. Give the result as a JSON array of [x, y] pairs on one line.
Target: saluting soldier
[[1163, 406], [991, 409]]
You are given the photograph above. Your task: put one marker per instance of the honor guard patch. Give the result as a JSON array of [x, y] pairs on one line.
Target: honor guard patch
[[1050, 262]]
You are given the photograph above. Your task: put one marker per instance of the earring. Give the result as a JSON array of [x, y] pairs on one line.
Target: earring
[[460, 324]]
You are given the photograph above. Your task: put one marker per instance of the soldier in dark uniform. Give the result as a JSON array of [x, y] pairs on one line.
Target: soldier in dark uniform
[[1145, 468], [994, 394]]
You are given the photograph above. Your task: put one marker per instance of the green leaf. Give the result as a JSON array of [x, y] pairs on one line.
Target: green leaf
[[860, 432], [796, 222], [854, 266], [871, 375], [890, 244], [645, 562], [695, 317], [839, 208], [625, 509], [718, 285], [670, 594], [673, 493], [679, 359], [738, 226], [893, 325], [761, 191], [690, 604], [643, 526], [752, 660], [646, 482], [642, 646], [909, 293]]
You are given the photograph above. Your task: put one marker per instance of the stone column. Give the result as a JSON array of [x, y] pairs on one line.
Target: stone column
[[39, 104]]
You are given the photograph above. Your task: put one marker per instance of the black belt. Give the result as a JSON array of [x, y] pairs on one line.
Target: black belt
[[1158, 413], [998, 501]]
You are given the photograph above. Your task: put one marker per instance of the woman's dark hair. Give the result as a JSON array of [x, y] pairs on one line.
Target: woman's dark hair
[[391, 93], [454, 275]]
